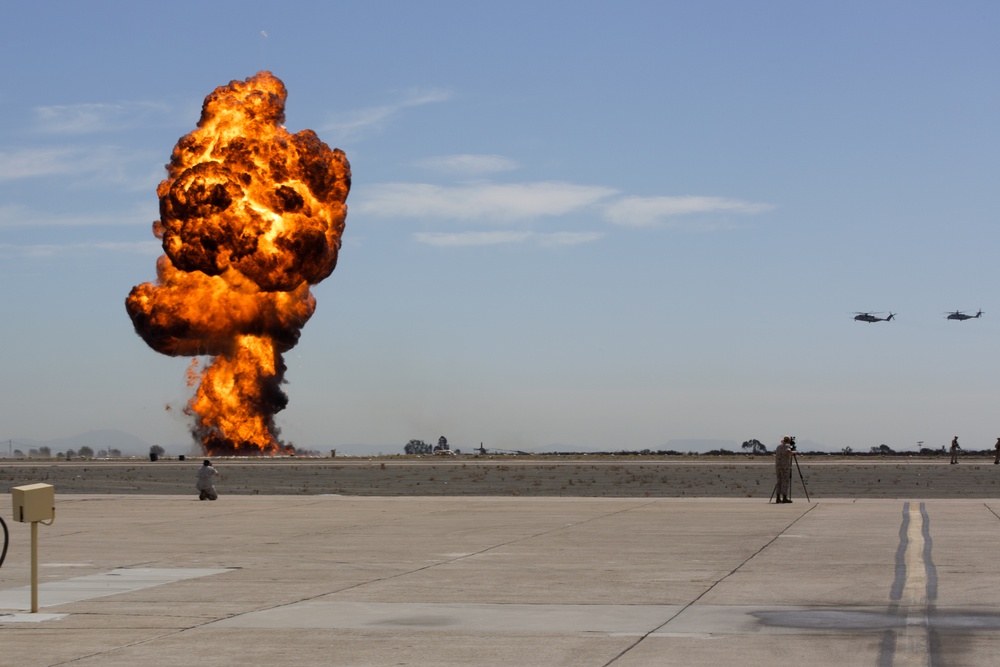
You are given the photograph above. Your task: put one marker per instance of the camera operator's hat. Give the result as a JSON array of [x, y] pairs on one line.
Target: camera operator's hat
[[787, 440]]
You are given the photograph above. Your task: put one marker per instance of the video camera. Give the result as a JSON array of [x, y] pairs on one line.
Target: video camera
[[791, 442]]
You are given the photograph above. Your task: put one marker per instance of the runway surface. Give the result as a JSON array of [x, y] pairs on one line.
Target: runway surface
[[336, 580]]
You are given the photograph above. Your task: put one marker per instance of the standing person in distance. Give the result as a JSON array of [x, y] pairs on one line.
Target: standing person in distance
[[996, 459], [206, 481], [954, 450], [783, 468]]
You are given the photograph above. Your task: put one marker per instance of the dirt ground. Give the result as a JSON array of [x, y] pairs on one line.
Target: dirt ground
[[590, 476]]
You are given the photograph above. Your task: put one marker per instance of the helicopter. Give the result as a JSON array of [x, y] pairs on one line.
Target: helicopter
[[872, 317], [957, 315]]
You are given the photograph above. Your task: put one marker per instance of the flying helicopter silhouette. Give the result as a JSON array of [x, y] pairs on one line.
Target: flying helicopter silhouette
[[872, 317], [958, 315]]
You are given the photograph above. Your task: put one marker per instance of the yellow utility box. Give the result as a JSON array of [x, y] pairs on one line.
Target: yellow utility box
[[34, 502]]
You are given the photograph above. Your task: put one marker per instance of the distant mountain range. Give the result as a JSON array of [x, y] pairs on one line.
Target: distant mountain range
[[700, 445]]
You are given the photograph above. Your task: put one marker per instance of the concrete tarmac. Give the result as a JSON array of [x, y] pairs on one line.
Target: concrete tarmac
[[363, 581]]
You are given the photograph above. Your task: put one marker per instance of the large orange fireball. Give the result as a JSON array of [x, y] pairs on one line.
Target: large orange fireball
[[250, 217]]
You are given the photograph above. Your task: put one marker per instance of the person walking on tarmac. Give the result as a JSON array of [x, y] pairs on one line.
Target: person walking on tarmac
[[954, 450], [996, 459], [783, 469]]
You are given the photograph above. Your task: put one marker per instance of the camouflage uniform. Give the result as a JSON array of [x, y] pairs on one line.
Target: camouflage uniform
[[205, 484], [783, 469]]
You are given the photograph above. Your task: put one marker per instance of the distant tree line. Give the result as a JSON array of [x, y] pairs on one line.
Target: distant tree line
[[85, 452], [752, 447], [847, 451], [755, 447], [421, 447], [617, 452], [418, 447]]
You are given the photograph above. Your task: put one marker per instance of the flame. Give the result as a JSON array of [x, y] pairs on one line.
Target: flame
[[250, 217]]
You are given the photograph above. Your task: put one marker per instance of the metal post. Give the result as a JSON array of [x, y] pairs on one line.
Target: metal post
[[34, 567]]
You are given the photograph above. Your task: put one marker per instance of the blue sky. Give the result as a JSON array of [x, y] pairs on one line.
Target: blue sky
[[602, 225]]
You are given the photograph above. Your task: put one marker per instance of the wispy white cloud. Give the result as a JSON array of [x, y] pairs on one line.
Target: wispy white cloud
[[468, 165], [471, 238], [652, 211], [153, 247], [46, 250], [494, 202], [100, 165], [568, 238], [356, 124], [91, 118], [30, 163], [19, 216], [526, 204], [461, 239]]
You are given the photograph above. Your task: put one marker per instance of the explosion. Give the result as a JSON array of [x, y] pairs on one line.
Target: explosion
[[250, 217]]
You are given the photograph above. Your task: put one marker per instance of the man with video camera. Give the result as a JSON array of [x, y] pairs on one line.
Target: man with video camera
[[783, 467]]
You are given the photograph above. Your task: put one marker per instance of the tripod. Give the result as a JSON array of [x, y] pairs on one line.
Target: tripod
[[801, 479]]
